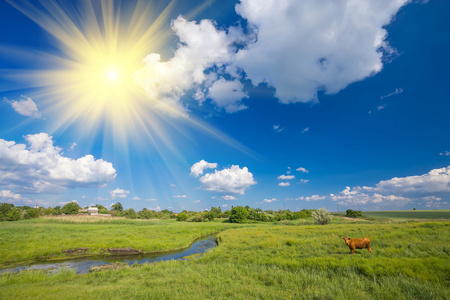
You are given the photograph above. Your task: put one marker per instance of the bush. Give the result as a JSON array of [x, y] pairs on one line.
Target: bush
[[182, 216], [197, 218], [31, 213], [353, 213], [5, 208], [14, 215], [321, 216], [238, 214]]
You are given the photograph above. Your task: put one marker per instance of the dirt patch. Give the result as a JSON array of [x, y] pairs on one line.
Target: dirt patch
[[113, 266], [76, 251], [124, 251]]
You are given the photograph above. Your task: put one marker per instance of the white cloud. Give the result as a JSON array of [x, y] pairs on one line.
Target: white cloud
[[197, 201], [73, 145], [284, 184], [304, 130], [446, 153], [311, 198], [154, 208], [396, 92], [136, 198], [233, 180], [41, 168], [201, 47], [25, 107], [198, 168], [304, 180], [306, 46], [269, 200], [301, 169], [380, 107], [228, 95], [225, 205], [286, 177], [179, 196], [277, 128], [8, 196], [434, 182], [151, 200], [119, 193], [100, 199], [228, 197]]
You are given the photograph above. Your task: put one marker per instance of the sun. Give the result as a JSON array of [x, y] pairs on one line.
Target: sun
[[90, 80]]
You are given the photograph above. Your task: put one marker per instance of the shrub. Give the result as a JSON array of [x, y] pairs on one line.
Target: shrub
[[238, 214], [31, 213], [196, 218], [5, 208], [353, 213], [321, 216], [14, 215], [182, 216]]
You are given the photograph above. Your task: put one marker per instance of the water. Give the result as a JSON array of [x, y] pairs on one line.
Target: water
[[83, 265]]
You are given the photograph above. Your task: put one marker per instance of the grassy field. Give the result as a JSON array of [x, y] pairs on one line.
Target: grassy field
[[409, 214], [410, 260]]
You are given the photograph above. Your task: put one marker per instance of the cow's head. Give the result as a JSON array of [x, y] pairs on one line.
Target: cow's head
[[346, 239]]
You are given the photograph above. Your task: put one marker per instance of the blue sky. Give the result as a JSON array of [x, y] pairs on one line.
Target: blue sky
[[194, 104]]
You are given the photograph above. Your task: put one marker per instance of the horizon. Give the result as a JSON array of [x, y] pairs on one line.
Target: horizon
[[200, 104]]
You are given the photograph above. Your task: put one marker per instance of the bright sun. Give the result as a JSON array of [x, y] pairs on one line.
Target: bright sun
[[102, 44]]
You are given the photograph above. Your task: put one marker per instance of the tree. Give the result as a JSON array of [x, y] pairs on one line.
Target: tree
[[216, 211], [70, 208], [321, 216], [238, 214], [117, 207], [130, 214]]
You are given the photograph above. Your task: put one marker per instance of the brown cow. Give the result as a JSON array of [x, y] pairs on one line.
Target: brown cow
[[357, 244]]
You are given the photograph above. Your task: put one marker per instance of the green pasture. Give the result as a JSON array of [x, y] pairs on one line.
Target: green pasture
[[410, 260], [409, 214]]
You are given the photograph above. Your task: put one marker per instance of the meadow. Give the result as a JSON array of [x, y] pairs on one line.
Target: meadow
[[283, 260]]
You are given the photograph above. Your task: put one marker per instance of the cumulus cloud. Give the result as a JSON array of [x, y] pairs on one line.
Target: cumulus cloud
[[198, 168], [201, 46], [269, 200], [233, 180], [431, 187], [197, 201], [436, 181], [311, 198], [228, 197], [303, 47], [8, 196], [296, 47], [304, 130], [136, 198], [41, 168], [228, 95], [284, 184], [179, 196], [25, 107], [446, 153], [119, 193], [304, 180], [286, 177], [301, 169], [158, 208]]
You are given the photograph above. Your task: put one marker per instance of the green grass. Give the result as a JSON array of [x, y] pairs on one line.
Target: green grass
[[258, 261], [39, 239], [409, 214]]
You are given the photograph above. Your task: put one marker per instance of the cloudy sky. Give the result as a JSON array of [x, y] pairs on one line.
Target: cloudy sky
[[192, 104]]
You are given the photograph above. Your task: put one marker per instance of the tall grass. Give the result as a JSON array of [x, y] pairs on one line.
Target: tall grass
[[409, 261]]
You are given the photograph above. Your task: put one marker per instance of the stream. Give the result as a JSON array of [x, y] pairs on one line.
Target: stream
[[82, 265]]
